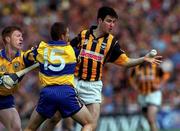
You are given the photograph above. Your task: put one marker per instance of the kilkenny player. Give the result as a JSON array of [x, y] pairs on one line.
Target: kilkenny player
[[147, 79], [98, 46]]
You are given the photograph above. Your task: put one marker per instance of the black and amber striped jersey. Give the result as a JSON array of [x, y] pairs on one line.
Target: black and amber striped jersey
[[146, 76], [11, 66], [95, 52]]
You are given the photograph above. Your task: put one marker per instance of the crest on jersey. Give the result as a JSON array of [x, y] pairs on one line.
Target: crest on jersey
[[3, 68], [16, 66], [103, 46], [86, 41]]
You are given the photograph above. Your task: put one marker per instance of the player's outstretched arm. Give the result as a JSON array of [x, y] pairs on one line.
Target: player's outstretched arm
[[149, 57]]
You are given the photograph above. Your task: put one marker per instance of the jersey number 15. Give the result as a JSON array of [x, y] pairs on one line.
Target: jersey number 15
[[52, 57]]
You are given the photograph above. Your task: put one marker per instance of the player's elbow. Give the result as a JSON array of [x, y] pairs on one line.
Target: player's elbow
[[124, 63], [127, 64]]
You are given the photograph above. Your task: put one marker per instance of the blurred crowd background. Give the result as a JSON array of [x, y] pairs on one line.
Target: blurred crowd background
[[142, 25]]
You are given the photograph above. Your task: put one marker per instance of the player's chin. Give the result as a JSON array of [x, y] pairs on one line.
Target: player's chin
[[110, 31], [19, 47]]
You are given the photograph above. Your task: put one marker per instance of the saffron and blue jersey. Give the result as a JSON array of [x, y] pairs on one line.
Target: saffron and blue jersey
[[11, 66], [57, 63]]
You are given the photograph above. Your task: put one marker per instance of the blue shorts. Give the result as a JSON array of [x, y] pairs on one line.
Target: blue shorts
[[58, 98], [6, 102]]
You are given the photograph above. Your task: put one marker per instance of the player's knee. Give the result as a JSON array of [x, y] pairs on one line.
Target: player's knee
[[89, 127], [94, 126], [151, 120], [91, 124]]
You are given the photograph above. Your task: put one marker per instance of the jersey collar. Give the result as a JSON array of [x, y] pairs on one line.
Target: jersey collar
[[3, 54], [93, 27], [60, 42]]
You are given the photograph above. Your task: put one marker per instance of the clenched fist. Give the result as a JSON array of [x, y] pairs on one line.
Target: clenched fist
[[8, 81]]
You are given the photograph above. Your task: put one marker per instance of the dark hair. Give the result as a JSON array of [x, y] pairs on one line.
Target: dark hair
[[104, 11], [57, 30], [7, 31]]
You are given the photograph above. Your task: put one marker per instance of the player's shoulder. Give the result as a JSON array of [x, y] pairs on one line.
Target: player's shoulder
[[84, 32], [114, 40], [112, 37], [43, 43], [22, 52], [69, 48]]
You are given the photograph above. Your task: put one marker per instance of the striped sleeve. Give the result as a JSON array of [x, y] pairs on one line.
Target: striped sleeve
[[117, 55]]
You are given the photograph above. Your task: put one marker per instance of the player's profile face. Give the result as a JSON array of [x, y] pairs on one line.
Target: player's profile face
[[16, 40], [108, 24]]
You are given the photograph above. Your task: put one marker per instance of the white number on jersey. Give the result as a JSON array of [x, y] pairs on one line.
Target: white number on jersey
[[53, 57]]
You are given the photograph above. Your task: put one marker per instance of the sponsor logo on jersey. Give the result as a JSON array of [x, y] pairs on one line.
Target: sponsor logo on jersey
[[92, 55]]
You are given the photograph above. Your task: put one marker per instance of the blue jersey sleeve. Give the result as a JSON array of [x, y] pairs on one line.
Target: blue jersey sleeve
[[29, 57]]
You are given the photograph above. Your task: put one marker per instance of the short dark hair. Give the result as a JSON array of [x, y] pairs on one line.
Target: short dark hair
[[7, 31], [104, 11], [57, 30]]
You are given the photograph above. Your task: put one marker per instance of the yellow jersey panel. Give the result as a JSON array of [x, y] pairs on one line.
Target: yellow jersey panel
[[57, 63], [10, 66], [51, 80]]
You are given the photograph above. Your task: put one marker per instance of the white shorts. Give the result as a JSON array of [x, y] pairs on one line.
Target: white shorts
[[154, 98], [89, 91]]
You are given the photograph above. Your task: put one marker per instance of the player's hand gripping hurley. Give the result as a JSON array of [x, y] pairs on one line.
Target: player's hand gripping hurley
[[10, 80]]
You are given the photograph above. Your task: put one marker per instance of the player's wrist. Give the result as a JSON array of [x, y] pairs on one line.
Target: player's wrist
[[145, 58]]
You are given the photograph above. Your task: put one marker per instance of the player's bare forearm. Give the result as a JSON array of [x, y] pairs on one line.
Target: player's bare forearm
[[134, 62], [147, 58]]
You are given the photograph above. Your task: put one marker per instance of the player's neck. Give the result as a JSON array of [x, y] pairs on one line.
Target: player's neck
[[10, 52], [98, 33]]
